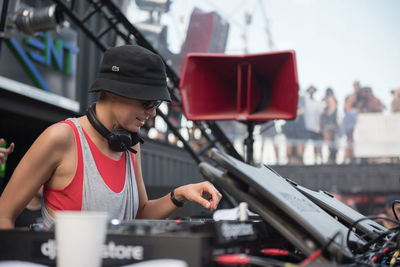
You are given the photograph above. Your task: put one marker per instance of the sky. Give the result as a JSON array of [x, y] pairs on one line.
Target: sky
[[336, 42]]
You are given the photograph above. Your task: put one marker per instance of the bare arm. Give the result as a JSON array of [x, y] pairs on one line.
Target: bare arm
[[203, 193], [37, 167], [348, 104]]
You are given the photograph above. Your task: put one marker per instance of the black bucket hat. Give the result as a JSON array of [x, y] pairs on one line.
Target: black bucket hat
[[134, 72]]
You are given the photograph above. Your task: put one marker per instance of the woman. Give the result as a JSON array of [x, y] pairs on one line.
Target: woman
[[93, 162], [329, 123]]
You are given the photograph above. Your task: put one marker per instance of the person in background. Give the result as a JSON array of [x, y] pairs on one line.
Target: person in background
[[295, 134], [313, 110], [388, 211], [368, 102], [32, 212], [351, 110], [4, 152], [329, 123], [395, 106]]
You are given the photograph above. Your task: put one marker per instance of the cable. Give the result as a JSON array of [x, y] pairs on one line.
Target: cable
[[369, 218], [376, 257], [240, 259], [394, 257], [378, 251], [275, 252], [374, 242], [280, 252], [316, 254], [394, 211]]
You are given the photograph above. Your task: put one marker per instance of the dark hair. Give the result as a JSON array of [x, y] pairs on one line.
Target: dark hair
[[329, 91]]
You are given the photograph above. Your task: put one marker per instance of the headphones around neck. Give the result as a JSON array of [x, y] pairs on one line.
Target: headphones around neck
[[120, 139]]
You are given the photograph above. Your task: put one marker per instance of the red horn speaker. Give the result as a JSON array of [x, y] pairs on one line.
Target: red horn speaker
[[257, 87]]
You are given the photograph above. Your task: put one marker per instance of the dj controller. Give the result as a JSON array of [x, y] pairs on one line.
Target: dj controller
[[291, 226], [195, 241]]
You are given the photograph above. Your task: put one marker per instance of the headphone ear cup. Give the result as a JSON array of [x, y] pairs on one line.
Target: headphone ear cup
[[119, 140], [136, 138]]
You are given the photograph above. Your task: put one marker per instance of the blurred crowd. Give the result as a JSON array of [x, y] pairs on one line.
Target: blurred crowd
[[317, 123]]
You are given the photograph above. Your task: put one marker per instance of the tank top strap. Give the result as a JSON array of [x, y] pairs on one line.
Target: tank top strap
[[131, 179], [96, 195], [48, 220]]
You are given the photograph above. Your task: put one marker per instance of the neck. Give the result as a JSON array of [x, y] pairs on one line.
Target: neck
[[103, 114], [100, 141]]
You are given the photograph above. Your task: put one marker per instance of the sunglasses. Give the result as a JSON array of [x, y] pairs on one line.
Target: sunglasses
[[148, 104]]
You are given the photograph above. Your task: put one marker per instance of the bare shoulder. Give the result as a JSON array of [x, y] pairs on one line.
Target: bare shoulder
[[57, 136], [59, 132], [46, 154]]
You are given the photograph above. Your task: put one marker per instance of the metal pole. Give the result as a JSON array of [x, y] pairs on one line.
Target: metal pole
[[3, 20], [249, 141]]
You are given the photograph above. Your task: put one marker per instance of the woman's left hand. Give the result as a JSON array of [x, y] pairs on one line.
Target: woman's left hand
[[203, 193]]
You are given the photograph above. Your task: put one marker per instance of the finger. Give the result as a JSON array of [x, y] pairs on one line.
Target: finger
[[10, 149], [1, 141], [214, 194], [208, 196], [5, 151], [216, 197], [202, 201]]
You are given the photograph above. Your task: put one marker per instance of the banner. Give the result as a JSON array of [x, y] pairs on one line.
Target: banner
[[377, 135]]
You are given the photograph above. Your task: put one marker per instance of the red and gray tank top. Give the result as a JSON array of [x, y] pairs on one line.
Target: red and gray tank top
[[99, 184]]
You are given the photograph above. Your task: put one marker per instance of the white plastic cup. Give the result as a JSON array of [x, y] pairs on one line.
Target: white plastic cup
[[243, 216], [80, 237]]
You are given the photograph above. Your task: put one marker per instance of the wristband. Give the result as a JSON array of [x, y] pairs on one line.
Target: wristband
[[175, 201]]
